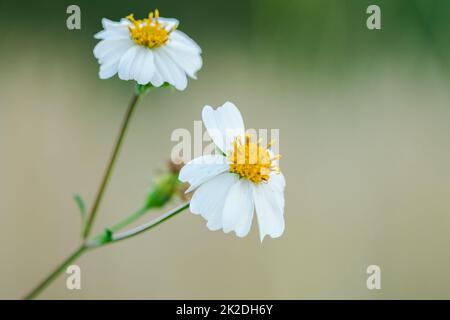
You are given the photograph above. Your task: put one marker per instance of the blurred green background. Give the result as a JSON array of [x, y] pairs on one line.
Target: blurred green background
[[364, 119]]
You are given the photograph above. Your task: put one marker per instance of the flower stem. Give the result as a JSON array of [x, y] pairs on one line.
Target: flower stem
[[123, 223], [110, 165], [52, 276], [95, 244], [138, 230]]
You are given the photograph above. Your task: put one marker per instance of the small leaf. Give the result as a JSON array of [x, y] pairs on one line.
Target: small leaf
[[81, 205], [142, 89], [106, 236]]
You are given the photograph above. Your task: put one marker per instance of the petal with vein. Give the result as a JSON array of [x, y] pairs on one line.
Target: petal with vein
[[238, 209], [223, 124], [202, 169]]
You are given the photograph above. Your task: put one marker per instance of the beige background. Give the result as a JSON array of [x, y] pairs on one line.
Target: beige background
[[365, 153]]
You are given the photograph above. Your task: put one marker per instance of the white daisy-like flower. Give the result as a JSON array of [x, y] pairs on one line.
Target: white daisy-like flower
[[150, 50], [246, 178]]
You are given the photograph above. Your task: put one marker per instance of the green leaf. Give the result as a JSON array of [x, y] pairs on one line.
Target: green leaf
[[81, 206], [106, 236], [144, 88]]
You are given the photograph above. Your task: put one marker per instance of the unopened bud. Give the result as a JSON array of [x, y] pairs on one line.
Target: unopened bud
[[164, 187]]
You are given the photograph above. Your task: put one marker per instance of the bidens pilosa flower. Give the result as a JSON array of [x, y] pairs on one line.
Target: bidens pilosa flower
[[149, 50], [229, 187]]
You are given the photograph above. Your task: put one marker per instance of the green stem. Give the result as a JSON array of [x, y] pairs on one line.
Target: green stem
[[52, 276], [96, 244], [110, 165], [133, 217], [142, 228]]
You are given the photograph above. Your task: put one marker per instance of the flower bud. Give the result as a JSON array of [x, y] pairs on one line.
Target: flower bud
[[164, 187]]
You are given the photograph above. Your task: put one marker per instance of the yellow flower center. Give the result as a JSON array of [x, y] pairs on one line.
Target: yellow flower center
[[252, 161], [148, 32]]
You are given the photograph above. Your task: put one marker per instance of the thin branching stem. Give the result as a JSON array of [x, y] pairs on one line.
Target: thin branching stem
[[96, 244], [106, 176]]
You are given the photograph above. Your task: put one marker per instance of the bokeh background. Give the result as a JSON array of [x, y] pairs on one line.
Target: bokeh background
[[364, 119]]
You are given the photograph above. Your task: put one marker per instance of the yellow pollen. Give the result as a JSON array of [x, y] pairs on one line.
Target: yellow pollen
[[148, 32], [252, 161]]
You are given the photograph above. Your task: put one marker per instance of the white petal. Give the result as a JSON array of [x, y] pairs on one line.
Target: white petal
[[157, 80], [269, 205], [126, 63], [109, 24], [277, 181], [209, 199], [201, 169], [103, 47], [187, 60], [113, 34], [161, 68], [145, 68], [169, 23], [223, 124], [238, 209], [113, 29], [169, 70], [116, 52], [184, 38], [106, 48], [138, 61], [108, 70], [109, 58]]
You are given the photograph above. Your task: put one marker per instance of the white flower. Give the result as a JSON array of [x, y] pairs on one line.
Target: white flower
[[230, 187], [150, 50]]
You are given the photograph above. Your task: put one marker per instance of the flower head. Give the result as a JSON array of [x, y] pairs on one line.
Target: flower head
[[246, 178], [149, 50]]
